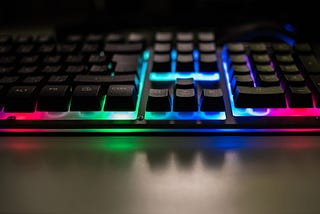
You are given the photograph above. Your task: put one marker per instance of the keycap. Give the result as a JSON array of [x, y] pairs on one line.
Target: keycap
[[303, 48], [54, 59], [115, 38], [25, 49], [129, 79], [315, 86], [285, 58], [74, 59], [2, 94], [27, 69], [281, 47], [94, 38], [44, 39], [265, 80], [238, 59], [208, 62], [5, 49], [163, 37], [135, 37], [261, 58], [295, 80], [54, 98], [5, 38], [20, 99], [161, 63], [236, 48], [28, 60], [185, 48], [50, 69], [23, 39], [98, 69], [7, 60], [289, 69], [97, 59], [242, 80], [185, 62], [6, 80], [259, 97], [184, 36], [75, 69], [66, 48], [185, 83], [121, 98], [125, 68], [212, 100], [257, 47], [74, 38], [46, 48], [6, 69], [206, 36], [240, 70], [125, 58], [86, 98], [33, 80], [264, 69], [123, 48], [310, 64], [162, 48], [207, 47], [90, 48], [185, 100], [56, 79], [159, 100], [299, 97]]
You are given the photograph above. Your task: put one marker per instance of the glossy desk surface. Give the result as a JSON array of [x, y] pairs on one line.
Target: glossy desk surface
[[160, 175]]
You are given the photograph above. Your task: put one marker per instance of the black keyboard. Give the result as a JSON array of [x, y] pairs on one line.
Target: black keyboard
[[157, 82]]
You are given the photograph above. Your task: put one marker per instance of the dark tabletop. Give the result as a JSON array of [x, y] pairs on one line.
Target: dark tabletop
[[153, 175]]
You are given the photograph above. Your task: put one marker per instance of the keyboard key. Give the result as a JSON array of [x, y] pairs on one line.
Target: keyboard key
[[2, 94], [94, 38], [315, 86], [96, 69], [75, 69], [20, 99], [121, 98], [54, 98], [125, 68], [184, 37], [27, 69], [303, 48], [281, 48], [285, 59], [74, 38], [206, 37], [136, 37], [86, 98], [185, 48], [310, 64], [208, 62], [123, 48], [33, 80], [261, 58], [185, 83], [242, 80], [54, 59], [236, 48], [258, 47], [56, 79], [7, 60], [207, 48], [107, 80], [239, 70], [74, 59], [212, 100], [185, 100], [265, 69], [289, 69], [299, 97], [6, 69], [265, 80], [115, 38], [97, 59], [163, 48], [259, 97], [159, 100], [6, 80], [185, 62], [46, 49], [238, 59], [90, 48], [66, 48], [161, 63], [164, 37], [28, 60], [25, 49], [295, 80], [51, 69]]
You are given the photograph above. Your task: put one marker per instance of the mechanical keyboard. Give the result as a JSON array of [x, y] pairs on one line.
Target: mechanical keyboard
[[157, 82]]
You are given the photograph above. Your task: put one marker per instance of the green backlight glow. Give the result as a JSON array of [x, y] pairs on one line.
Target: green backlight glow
[[185, 116]]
